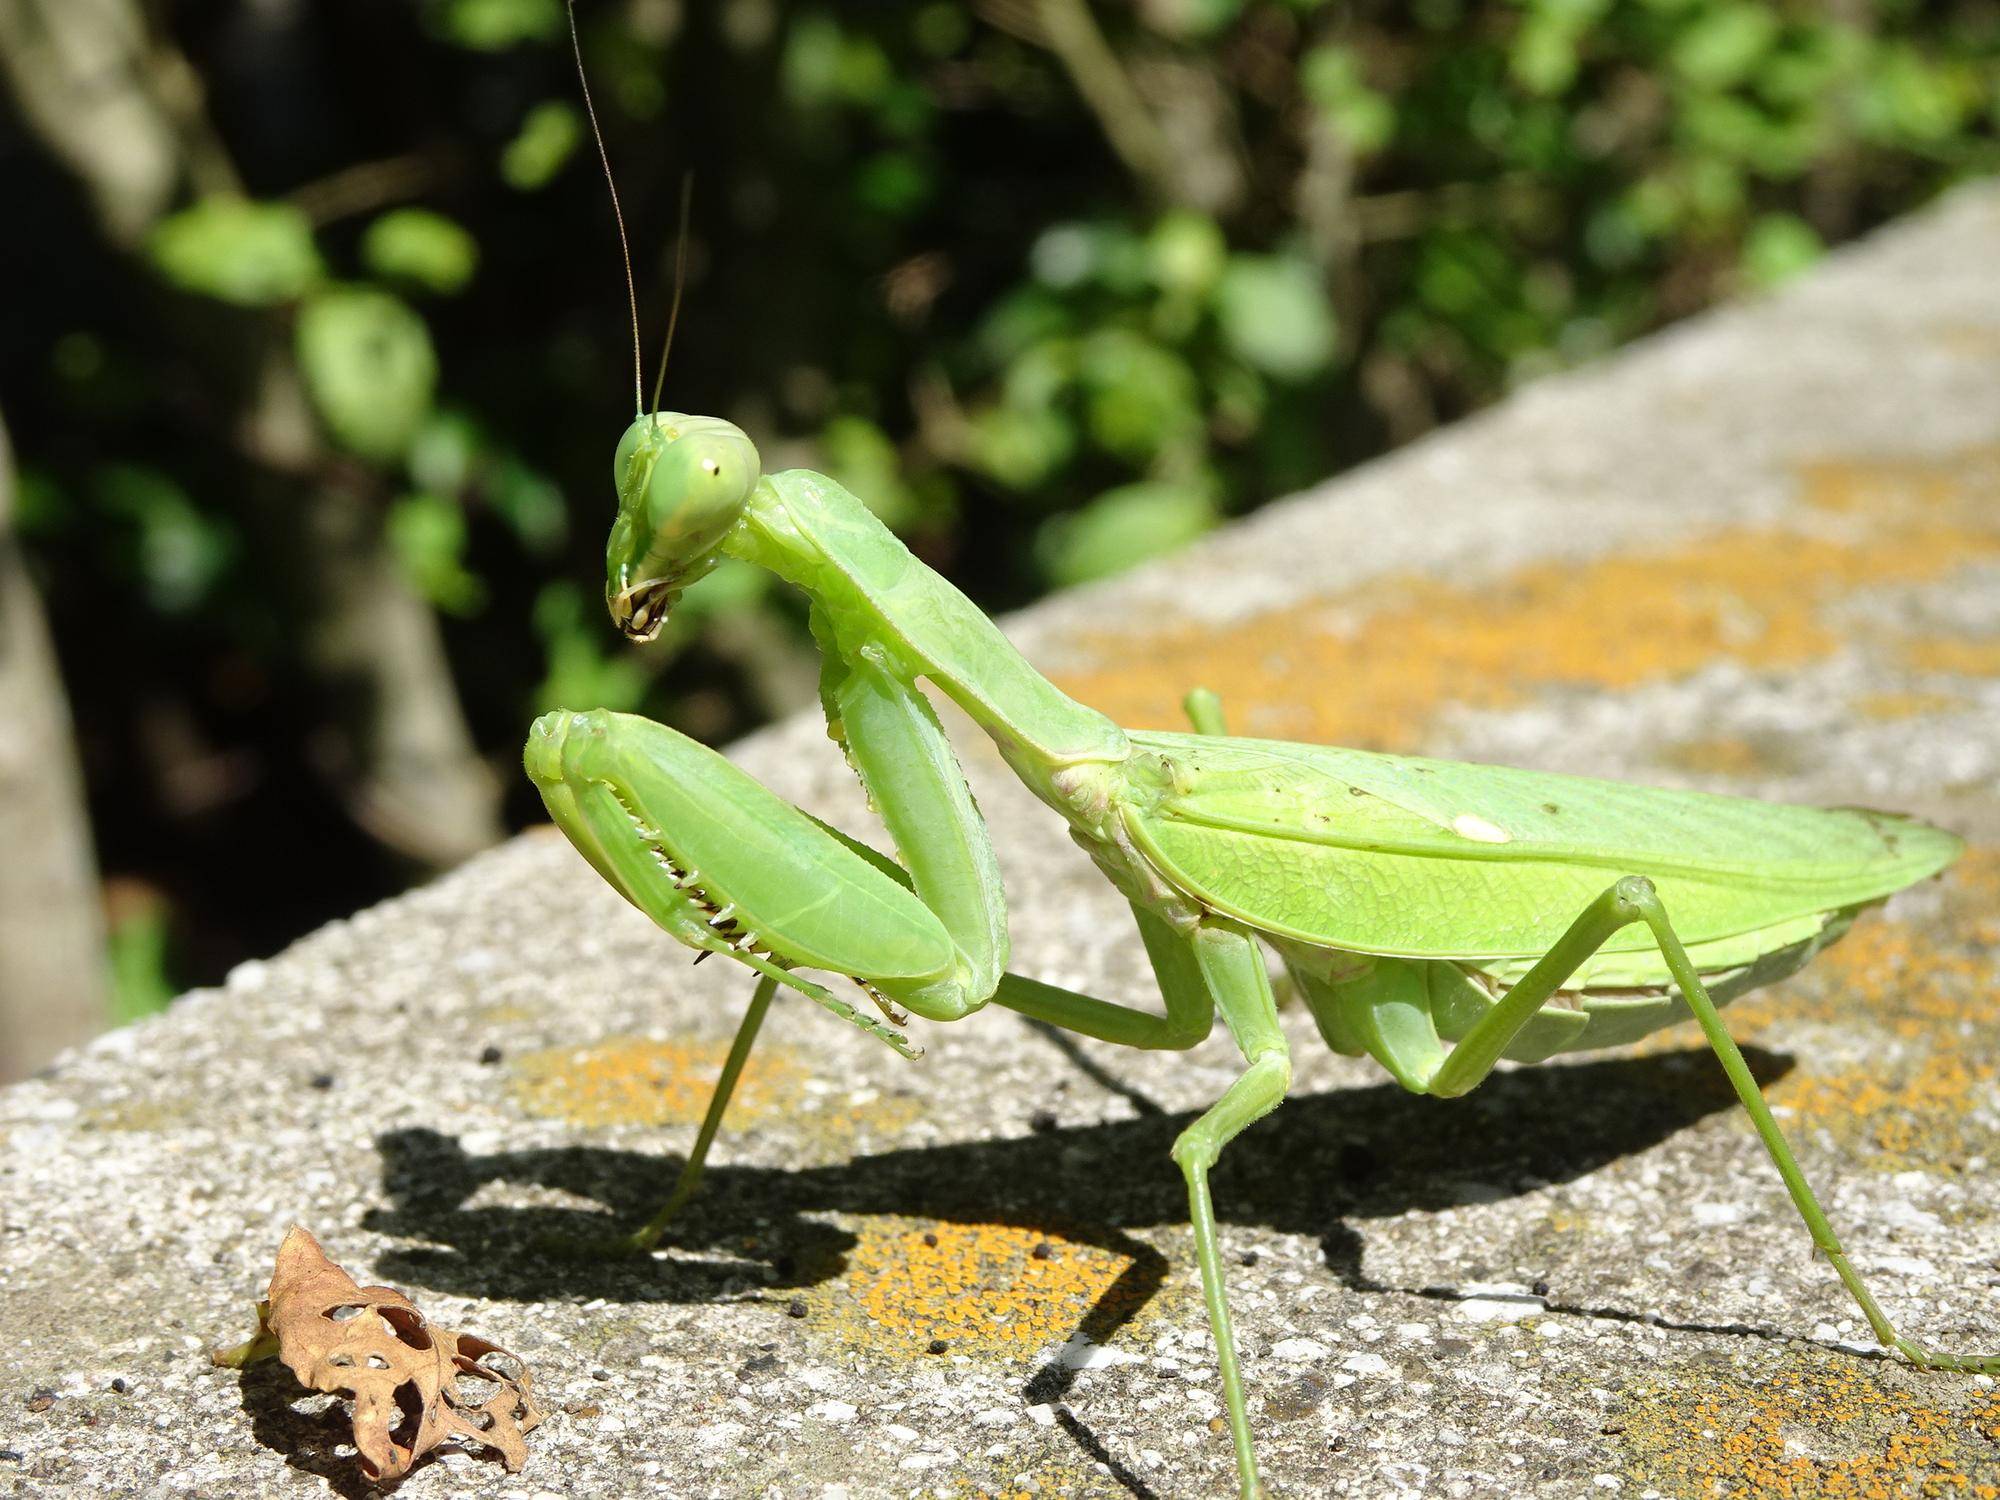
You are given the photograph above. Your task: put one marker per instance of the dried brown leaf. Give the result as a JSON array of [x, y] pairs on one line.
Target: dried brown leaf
[[372, 1345]]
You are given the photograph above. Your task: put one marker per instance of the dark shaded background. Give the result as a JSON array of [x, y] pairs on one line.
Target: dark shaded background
[[308, 489]]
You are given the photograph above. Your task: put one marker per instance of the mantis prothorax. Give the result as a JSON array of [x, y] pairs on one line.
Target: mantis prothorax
[[1435, 916]]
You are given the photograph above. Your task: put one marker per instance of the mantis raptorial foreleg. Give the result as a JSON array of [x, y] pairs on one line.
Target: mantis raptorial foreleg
[[906, 764], [1634, 899]]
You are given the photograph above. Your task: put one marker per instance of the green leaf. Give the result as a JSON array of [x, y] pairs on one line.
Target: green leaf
[[823, 65], [136, 944], [238, 250], [1122, 528], [369, 367], [420, 247], [860, 456], [1142, 399], [578, 673], [549, 134], [1275, 314], [495, 25], [1331, 78], [1192, 20], [178, 552], [427, 535], [1777, 248], [530, 503], [1186, 252], [896, 183], [1021, 446], [1725, 47]]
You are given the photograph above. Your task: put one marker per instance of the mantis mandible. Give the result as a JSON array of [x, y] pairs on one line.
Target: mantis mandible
[[1435, 916]]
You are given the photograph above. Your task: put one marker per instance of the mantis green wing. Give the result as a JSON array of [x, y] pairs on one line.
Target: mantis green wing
[[1415, 858]]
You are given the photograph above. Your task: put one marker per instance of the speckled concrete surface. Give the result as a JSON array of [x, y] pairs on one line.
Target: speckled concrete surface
[[1761, 553]]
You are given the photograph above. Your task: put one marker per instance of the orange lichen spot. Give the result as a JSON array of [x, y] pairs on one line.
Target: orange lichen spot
[[1816, 1427], [1373, 666], [636, 1081], [1905, 705], [1001, 1290]]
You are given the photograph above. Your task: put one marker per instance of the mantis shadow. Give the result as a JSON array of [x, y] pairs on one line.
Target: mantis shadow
[[1320, 1161], [1317, 1164]]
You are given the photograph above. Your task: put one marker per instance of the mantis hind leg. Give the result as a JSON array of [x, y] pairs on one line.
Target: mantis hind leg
[[1634, 899], [1824, 1240]]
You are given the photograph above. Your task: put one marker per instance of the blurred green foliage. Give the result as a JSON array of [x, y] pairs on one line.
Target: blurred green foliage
[[1049, 308]]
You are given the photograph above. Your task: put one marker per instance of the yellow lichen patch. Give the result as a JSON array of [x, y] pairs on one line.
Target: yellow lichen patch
[[982, 1289], [1931, 995], [1371, 667], [141, 1115], [1817, 1427], [1721, 755], [1905, 705], [1040, 1483], [1956, 655], [636, 1081], [1956, 483]]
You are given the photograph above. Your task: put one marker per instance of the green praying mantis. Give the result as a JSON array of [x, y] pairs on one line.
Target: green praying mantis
[[1435, 916]]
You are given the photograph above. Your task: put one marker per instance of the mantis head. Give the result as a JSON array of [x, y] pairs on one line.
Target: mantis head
[[682, 484]]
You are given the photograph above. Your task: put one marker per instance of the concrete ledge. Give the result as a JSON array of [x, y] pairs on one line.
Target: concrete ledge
[[1760, 554]]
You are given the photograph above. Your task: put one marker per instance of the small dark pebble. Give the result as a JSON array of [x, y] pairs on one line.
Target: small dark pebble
[[1540, 1289], [930, 1240], [1249, 1257], [41, 1400], [118, 1384], [938, 1346], [10, 1456], [1041, 1122], [488, 1056], [321, 1081], [796, 1308], [600, 1374], [1042, 1251]]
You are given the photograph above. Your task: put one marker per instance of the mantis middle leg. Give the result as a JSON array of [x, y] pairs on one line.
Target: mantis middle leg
[[1217, 967], [647, 1235], [1634, 899]]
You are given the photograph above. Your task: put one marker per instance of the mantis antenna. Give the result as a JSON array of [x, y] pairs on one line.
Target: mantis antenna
[[618, 213], [680, 281]]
